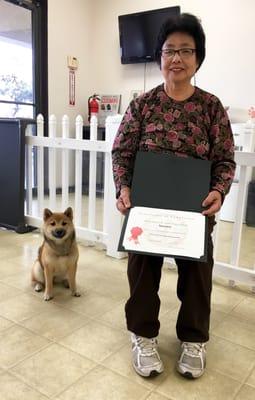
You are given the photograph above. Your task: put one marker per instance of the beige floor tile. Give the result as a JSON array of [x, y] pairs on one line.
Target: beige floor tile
[[170, 315], [95, 341], [245, 310], [103, 384], [216, 317], [210, 386], [26, 251], [110, 267], [237, 331], [230, 359], [6, 251], [116, 287], [168, 342], [225, 299], [24, 260], [169, 302], [12, 388], [120, 362], [53, 369], [7, 292], [115, 317], [22, 307], [20, 280], [87, 271], [16, 343], [246, 393], [91, 304], [5, 324], [102, 280], [87, 278], [57, 323], [251, 379], [157, 396], [90, 255], [9, 268], [168, 282]]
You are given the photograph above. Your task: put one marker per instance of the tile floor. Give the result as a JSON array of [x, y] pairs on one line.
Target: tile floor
[[78, 348]]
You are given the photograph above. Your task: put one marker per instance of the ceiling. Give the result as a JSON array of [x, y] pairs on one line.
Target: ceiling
[[15, 23]]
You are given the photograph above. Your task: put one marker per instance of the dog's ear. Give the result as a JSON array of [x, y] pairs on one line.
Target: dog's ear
[[46, 214], [69, 213]]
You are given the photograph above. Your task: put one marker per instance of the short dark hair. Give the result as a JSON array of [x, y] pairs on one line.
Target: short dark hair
[[186, 23]]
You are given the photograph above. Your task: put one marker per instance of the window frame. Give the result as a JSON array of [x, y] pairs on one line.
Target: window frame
[[39, 17]]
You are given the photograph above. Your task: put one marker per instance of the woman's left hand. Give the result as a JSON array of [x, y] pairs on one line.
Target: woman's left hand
[[213, 203]]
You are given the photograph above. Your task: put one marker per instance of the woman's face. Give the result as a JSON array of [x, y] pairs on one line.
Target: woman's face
[[179, 68]]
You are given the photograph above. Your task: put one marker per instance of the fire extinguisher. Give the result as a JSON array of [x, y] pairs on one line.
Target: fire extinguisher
[[93, 105]]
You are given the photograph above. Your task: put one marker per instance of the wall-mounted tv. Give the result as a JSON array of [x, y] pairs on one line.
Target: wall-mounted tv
[[138, 34]]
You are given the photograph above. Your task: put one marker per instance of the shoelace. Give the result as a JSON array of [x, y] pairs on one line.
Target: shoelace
[[147, 347], [193, 349]]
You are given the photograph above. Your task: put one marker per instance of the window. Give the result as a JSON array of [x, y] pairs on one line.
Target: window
[[23, 67]]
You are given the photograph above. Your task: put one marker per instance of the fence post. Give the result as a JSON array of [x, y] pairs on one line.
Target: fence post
[[65, 163], [52, 164], [92, 176], [40, 165], [112, 218], [78, 172], [29, 167]]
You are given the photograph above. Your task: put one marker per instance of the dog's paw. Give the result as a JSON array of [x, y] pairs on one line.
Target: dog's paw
[[47, 297], [76, 294], [38, 287]]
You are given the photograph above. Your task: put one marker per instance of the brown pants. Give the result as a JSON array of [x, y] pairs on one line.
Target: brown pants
[[193, 290]]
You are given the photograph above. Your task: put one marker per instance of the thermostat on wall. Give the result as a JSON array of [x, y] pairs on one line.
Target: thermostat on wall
[[72, 62]]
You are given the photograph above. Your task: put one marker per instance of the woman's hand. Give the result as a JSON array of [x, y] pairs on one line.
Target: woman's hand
[[123, 202], [213, 203]]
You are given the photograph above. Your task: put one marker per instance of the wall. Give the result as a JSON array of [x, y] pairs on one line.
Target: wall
[[68, 34]]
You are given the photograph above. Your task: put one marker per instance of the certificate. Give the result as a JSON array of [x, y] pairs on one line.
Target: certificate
[[159, 231], [166, 216]]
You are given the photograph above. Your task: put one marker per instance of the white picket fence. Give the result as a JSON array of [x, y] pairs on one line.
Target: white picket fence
[[112, 220]]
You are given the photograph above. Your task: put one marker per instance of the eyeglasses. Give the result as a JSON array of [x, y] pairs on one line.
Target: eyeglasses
[[182, 53]]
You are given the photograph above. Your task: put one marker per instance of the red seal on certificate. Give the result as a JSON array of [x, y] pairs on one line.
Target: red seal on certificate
[[135, 232]]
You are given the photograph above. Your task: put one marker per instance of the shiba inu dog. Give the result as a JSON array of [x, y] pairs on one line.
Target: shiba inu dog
[[58, 255]]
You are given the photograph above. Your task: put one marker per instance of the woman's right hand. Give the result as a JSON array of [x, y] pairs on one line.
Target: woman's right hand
[[123, 202]]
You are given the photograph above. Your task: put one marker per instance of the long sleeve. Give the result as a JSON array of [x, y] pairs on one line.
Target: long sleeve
[[125, 147], [222, 151]]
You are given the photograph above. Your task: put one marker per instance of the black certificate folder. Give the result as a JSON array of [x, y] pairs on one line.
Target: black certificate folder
[[167, 182]]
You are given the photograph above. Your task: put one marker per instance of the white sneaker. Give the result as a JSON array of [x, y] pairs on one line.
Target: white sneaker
[[146, 360], [192, 361]]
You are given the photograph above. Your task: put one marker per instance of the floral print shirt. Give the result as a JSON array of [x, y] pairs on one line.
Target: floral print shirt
[[196, 127]]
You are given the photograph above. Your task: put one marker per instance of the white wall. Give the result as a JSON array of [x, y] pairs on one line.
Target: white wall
[[68, 34]]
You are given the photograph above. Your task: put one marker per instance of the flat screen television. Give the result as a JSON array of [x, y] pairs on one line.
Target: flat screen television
[[138, 34]]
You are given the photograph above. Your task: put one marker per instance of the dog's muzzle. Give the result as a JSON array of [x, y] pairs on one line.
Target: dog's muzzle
[[59, 233]]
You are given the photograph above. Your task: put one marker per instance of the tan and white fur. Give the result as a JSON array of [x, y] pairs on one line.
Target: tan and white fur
[[58, 255]]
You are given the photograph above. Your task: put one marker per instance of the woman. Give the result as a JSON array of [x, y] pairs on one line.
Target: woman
[[179, 118]]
